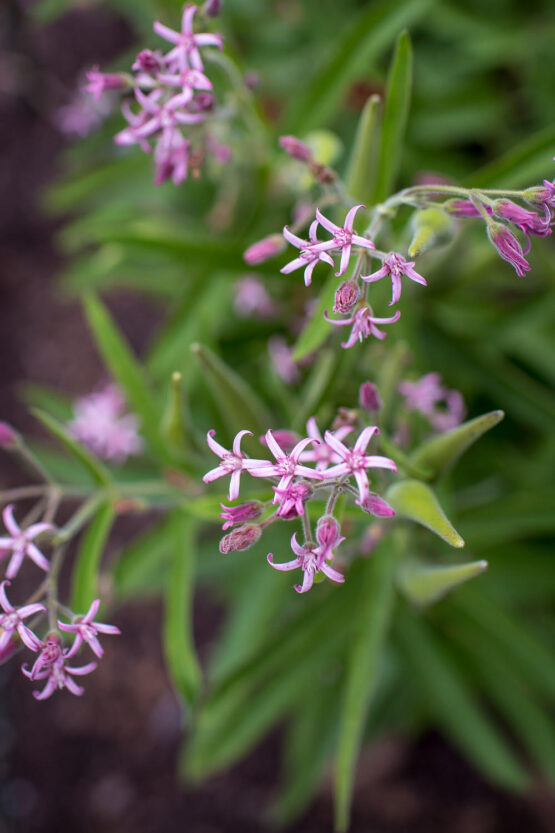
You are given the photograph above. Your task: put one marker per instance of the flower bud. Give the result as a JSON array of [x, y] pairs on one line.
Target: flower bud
[[461, 208], [239, 514], [295, 148], [9, 439], [292, 500], [369, 398], [98, 82], [240, 539], [346, 297], [373, 504], [203, 102], [286, 439], [212, 8], [264, 249], [327, 531], [148, 61]]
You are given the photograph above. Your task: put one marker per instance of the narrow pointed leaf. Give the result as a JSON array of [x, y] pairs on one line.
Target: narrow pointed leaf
[[238, 404], [363, 161], [371, 619], [88, 461], [178, 640], [439, 453], [315, 386], [317, 329], [423, 585], [175, 427], [416, 501], [87, 563], [396, 112], [140, 568]]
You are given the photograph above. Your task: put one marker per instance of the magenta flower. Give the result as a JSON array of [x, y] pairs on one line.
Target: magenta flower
[[543, 197], [251, 298], [508, 247], [355, 461], [310, 560], [98, 82], [396, 266], [311, 252], [426, 395], [233, 462], [287, 466], [292, 500], [86, 630], [463, 208], [364, 325], [12, 620], [58, 675], [527, 221], [287, 439], [344, 237], [373, 504], [51, 650], [322, 453], [185, 53], [346, 297], [20, 543], [103, 426], [369, 397], [239, 514]]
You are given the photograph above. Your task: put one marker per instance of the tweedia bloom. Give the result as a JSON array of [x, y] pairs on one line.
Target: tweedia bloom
[[20, 543]]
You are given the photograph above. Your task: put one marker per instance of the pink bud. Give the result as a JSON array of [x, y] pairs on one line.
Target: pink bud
[[203, 102], [369, 398], [327, 531], [212, 8], [148, 61], [286, 439], [239, 514], [295, 148], [264, 249], [240, 539], [508, 247], [346, 297], [98, 82], [8, 437], [375, 505]]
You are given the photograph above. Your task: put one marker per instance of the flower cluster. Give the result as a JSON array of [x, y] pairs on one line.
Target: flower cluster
[[102, 424], [302, 469], [175, 100], [443, 408]]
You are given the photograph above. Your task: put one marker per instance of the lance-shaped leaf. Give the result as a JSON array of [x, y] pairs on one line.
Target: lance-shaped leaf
[[87, 563], [315, 386], [127, 371], [140, 568], [416, 501], [176, 429], [317, 329], [178, 642], [439, 453], [423, 584], [362, 164], [88, 461], [372, 614], [238, 404], [396, 112]]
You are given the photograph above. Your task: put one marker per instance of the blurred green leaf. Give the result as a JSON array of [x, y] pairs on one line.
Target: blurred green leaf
[[361, 171], [414, 500], [423, 584], [317, 329], [523, 165], [87, 563], [91, 464], [140, 567]]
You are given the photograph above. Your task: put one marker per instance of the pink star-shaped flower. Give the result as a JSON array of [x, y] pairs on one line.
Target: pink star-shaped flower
[[311, 252], [186, 53], [21, 543], [364, 324], [344, 237], [58, 675], [287, 466], [322, 454], [12, 620], [85, 630], [233, 462], [396, 266], [355, 461], [311, 560]]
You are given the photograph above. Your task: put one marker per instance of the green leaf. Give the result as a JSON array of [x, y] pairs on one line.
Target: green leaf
[[178, 641], [176, 427], [87, 563], [439, 453], [449, 699], [365, 38], [315, 386], [371, 618], [91, 464], [317, 329], [238, 404], [423, 585], [396, 112], [416, 501], [361, 171], [521, 166], [126, 370], [139, 569]]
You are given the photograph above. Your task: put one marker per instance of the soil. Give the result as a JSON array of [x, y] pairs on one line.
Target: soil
[[107, 761]]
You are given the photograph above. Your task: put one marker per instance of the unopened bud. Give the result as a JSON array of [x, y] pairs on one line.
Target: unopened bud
[[148, 61], [251, 80], [346, 297], [369, 398], [322, 174], [373, 504], [286, 439], [239, 514], [9, 439], [345, 416], [264, 249], [212, 8], [203, 102], [327, 531], [98, 82], [295, 148], [240, 539]]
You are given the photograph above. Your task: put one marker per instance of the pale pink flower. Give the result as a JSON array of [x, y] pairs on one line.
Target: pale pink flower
[[86, 630], [247, 511], [102, 425], [355, 461], [99, 82], [311, 252], [508, 247], [287, 466], [58, 675], [171, 158], [281, 358], [452, 415], [344, 237], [51, 650], [233, 462], [264, 249], [251, 297], [426, 395], [292, 500], [20, 543], [527, 221], [185, 53], [396, 266], [364, 325], [322, 453], [11, 621], [311, 560]]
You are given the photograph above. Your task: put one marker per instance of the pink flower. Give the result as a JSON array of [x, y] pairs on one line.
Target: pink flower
[[286, 439], [281, 358], [508, 247], [58, 676], [103, 426], [344, 237], [292, 500], [86, 630], [8, 437], [527, 221], [396, 266], [239, 514], [463, 208], [98, 82], [171, 158], [543, 197], [369, 398], [12, 620], [287, 466], [51, 650], [322, 453], [264, 249], [452, 415], [373, 504], [355, 461], [186, 53], [20, 543], [251, 297], [426, 395], [311, 252], [311, 561], [233, 463], [364, 324], [149, 62], [328, 535]]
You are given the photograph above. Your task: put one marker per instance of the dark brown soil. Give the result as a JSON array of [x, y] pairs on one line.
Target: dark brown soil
[[107, 761]]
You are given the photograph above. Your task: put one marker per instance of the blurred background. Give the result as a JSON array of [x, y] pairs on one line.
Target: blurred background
[[484, 84]]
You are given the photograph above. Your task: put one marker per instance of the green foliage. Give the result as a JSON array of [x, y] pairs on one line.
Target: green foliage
[[87, 564]]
